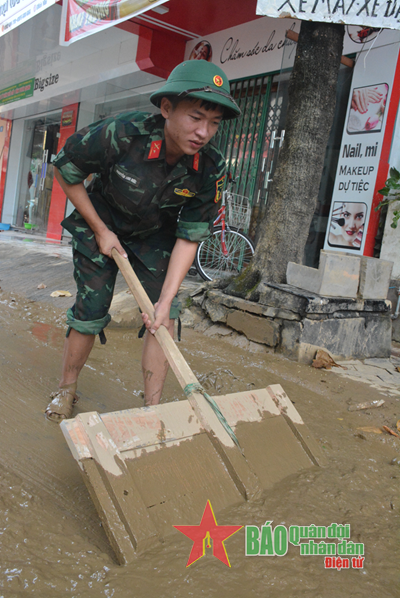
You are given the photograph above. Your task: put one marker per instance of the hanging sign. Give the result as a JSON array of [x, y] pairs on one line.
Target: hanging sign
[[19, 91], [360, 150], [246, 50], [15, 12], [81, 18], [369, 13], [261, 46]]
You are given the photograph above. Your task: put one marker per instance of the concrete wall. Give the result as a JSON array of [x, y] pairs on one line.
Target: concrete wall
[[297, 323]]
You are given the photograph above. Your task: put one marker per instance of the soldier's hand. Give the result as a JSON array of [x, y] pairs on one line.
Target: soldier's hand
[[161, 317], [107, 240]]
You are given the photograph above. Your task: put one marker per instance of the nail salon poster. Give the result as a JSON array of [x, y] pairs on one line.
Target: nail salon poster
[[361, 149]]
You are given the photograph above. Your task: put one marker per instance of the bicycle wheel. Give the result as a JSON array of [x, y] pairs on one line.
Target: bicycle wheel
[[211, 262]]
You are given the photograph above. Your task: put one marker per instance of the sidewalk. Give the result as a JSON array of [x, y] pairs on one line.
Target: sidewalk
[[28, 260], [382, 374]]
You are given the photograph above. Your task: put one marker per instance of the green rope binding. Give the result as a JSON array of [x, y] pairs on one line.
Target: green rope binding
[[194, 387]]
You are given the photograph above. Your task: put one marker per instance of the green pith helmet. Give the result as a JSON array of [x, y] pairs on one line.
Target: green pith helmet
[[199, 79]]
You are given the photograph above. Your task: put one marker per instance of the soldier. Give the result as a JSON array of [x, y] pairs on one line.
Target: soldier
[[148, 171]]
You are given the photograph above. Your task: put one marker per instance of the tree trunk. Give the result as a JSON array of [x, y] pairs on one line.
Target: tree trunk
[[294, 190]]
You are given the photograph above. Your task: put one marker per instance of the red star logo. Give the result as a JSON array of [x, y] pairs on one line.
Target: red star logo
[[208, 530]]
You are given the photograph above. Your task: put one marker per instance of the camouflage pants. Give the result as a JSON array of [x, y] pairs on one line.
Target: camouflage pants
[[95, 288]]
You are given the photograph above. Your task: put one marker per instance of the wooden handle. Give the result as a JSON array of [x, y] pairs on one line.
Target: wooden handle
[[175, 359], [134, 284], [237, 467]]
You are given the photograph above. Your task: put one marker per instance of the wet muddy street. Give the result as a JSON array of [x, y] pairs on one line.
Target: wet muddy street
[[52, 543]]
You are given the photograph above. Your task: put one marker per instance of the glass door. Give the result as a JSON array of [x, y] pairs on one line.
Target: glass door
[[41, 136]]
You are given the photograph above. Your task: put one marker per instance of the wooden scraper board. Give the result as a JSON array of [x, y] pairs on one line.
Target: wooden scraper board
[[152, 468]]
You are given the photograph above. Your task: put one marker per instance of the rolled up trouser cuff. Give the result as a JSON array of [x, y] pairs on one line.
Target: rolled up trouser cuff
[[86, 327]]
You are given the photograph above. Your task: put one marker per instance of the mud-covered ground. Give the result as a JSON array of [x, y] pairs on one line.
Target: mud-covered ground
[[51, 541]]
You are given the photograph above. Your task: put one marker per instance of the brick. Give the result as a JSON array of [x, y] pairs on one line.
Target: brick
[[250, 306], [216, 311], [304, 302], [260, 330], [337, 275], [218, 330], [374, 278], [367, 336]]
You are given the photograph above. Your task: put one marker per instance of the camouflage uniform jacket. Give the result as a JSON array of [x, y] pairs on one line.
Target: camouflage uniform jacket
[[133, 190]]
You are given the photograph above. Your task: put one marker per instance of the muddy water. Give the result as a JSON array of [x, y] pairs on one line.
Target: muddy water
[[51, 541]]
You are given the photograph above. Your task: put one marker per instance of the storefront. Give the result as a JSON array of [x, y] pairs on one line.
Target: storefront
[[117, 69], [70, 88], [40, 142], [257, 58]]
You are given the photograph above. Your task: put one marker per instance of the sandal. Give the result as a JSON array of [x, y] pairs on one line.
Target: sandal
[[62, 404]]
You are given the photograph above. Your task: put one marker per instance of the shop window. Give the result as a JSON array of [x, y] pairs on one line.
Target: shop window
[[112, 107], [36, 184], [241, 139], [246, 141]]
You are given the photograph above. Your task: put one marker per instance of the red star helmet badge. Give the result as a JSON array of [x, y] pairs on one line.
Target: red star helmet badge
[[218, 81]]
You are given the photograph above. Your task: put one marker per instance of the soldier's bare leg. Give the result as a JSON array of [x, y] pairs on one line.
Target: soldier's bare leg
[[154, 367], [77, 348]]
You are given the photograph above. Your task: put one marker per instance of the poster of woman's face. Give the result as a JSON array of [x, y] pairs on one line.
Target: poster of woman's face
[[346, 227], [367, 109], [201, 51]]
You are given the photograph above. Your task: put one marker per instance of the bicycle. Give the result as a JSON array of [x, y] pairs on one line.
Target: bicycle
[[229, 249]]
